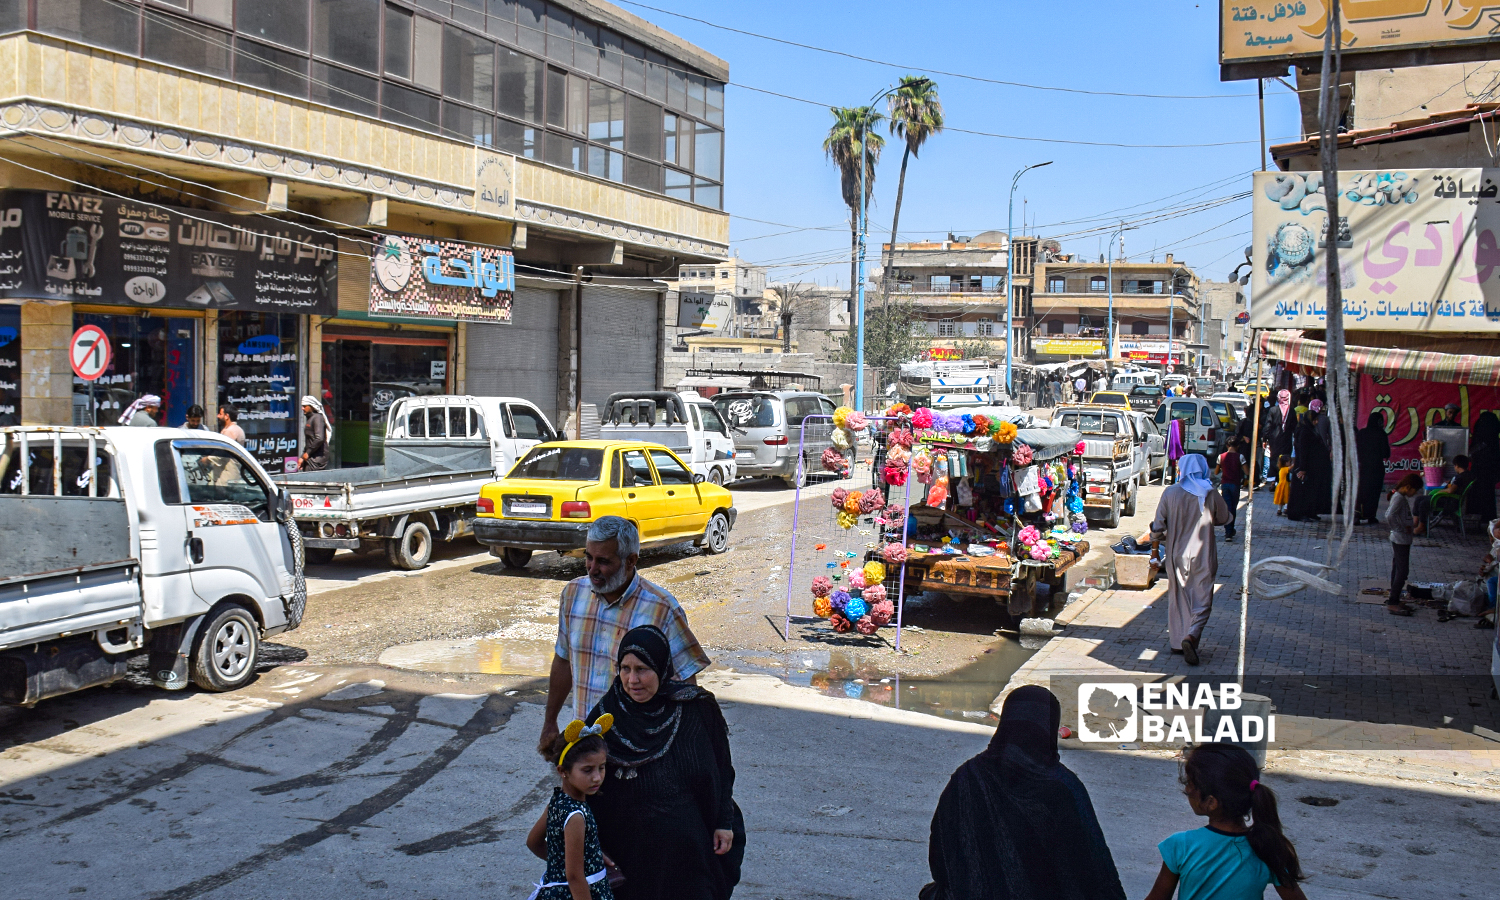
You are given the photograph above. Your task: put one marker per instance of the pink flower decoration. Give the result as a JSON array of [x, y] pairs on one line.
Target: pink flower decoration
[[821, 586], [894, 553], [838, 497], [1022, 455], [1029, 535], [870, 501], [894, 476], [866, 625], [901, 437], [855, 421], [833, 460], [1040, 552], [922, 418], [874, 595], [882, 612], [857, 580], [1080, 448]]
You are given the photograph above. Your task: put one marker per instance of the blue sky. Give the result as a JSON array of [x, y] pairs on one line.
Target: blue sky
[[776, 170]]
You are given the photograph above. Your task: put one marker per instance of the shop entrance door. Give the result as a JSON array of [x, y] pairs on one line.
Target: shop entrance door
[[364, 376]]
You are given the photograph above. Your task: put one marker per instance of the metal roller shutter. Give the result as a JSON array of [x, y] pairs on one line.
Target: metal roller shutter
[[620, 332], [519, 359]]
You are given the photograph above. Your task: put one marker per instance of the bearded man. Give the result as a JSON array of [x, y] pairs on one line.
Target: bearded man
[[595, 613]]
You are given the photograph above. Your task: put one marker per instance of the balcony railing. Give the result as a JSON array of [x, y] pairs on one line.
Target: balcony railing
[[945, 288]]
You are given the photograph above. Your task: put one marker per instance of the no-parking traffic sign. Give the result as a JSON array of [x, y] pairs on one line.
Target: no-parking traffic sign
[[89, 352]]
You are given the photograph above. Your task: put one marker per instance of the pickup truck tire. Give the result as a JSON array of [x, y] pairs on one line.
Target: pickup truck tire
[[515, 557], [412, 549], [1113, 520], [1130, 501], [224, 653], [716, 475], [716, 535], [319, 556]]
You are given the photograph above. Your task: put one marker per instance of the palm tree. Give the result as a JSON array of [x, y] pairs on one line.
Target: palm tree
[[846, 145], [788, 300], [916, 115]]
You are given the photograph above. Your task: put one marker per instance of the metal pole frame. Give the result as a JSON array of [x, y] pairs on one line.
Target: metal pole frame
[[1010, 273], [859, 313], [1239, 670], [786, 631]]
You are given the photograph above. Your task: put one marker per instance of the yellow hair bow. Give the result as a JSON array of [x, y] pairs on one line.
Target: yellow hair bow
[[577, 731]]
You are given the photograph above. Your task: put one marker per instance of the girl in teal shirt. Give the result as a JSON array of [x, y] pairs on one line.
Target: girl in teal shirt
[[1227, 859]]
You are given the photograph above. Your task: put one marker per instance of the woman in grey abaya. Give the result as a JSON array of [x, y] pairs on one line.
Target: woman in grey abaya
[[1185, 520]]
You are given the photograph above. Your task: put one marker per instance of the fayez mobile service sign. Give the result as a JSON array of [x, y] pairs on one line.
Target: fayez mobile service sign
[[1417, 250], [1259, 39]]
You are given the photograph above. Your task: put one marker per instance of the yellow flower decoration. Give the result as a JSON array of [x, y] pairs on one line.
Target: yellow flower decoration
[[841, 416], [851, 503], [1005, 433], [847, 521], [822, 607], [874, 572]]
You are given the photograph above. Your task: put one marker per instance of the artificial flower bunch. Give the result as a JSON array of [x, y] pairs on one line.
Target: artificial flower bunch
[[894, 553], [897, 410], [874, 595], [833, 460], [838, 497], [982, 424], [1005, 432], [874, 572], [822, 586], [922, 418], [847, 521], [901, 437], [895, 476], [841, 417], [857, 580], [851, 502], [921, 463], [1022, 455], [855, 420], [871, 501]]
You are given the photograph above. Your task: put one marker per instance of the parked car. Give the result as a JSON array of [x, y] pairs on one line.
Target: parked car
[[1153, 446], [550, 498], [1201, 430], [439, 451], [1229, 417], [1110, 398], [1113, 458], [1146, 397], [767, 428], [1124, 381], [684, 422], [125, 542]]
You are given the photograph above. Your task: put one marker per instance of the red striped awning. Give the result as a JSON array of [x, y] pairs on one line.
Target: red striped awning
[[1304, 356]]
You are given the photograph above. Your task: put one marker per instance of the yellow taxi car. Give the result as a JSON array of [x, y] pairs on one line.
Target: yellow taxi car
[[1110, 398], [559, 488]]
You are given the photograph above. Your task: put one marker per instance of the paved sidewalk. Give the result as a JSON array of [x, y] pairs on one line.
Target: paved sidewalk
[[1353, 687]]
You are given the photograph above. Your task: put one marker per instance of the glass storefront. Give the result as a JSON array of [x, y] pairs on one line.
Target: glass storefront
[[258, 355], [10, 365], [363, 376], [149, 354]]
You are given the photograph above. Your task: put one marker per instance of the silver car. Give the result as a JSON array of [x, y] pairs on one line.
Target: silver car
[[768, 428]]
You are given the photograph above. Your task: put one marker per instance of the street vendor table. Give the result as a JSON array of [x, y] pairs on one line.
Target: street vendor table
[[990, 576]]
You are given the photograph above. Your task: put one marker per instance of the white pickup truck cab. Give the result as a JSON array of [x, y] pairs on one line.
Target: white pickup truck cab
[[121, 541], [684, 422], [440, 450]]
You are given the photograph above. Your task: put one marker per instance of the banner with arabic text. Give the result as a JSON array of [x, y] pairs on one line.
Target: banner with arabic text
[[1417, 250], [92, 249], [425, 277], [1270, 31], [1409, 407]]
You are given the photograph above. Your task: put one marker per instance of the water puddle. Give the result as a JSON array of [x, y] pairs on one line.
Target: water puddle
[[964, 694], [485, 656]]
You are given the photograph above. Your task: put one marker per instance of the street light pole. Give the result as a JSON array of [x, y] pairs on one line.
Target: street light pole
[[1109, 332], [1010, 271]]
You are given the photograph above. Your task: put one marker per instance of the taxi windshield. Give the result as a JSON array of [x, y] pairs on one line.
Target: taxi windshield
[[561, 463]]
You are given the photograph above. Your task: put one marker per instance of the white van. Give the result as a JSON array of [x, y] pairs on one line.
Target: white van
[[1124, 381], [1202, 432]]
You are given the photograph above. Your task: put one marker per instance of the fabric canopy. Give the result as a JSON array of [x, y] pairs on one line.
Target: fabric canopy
[[1302, 355]]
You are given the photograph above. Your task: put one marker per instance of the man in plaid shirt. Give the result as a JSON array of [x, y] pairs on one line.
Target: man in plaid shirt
[[595, 613]]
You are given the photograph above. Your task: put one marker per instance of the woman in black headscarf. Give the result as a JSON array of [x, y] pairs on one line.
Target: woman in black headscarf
[[666, 812], [1484, 461], [1015, 824], [1373, 446], [1312, 470]]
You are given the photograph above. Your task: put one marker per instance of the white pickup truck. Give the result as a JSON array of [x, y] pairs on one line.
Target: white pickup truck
[[683, 422], [439, 451], [120, 541]]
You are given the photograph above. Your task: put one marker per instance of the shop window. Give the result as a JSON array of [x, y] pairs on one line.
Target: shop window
[[278, 21], [258, 366], [152, 355], [176, 42], [348, 32]]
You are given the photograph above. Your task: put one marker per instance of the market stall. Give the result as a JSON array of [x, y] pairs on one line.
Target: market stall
[[967, 503]]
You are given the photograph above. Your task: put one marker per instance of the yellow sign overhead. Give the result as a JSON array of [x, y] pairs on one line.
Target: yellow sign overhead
[[1372, 30], [1068, 346]]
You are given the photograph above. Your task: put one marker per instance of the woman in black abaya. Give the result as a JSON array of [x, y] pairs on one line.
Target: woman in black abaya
[[1015, 824], [1312, 470], [666, 812], [1484, 461], [1373, 446]]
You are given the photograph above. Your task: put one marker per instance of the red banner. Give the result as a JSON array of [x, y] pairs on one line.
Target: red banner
[[1410, 406]]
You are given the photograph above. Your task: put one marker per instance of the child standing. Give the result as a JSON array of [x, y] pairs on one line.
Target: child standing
[[566, 836], [1403, 524], [1227, 860], [1283, 484]]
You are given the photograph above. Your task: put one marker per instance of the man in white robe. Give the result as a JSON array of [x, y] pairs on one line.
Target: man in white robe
[[1185, 520]]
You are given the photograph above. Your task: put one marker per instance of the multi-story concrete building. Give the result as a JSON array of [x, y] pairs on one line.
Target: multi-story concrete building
[[354, 199], [1070, 309], [1226, 328], [959, 287], [732, 290]]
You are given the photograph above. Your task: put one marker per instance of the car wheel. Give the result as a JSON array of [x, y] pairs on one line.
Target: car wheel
[[318, 556], [413, 549], [515, 557], [797, 480], [1130, 502], [1114, 511], [716, 475], [224, 652], [716, 536]]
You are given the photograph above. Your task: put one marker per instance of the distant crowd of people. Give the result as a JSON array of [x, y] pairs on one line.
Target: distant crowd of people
[[145, 412]]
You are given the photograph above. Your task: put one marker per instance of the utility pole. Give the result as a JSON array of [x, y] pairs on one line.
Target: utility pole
[[1109, 333], [1010, 272]]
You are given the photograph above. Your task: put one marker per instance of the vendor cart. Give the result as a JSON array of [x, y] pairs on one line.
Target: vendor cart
[[1003, 523]]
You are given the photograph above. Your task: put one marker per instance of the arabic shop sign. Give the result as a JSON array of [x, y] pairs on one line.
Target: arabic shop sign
[[1374, 33], [86, 248], [426, 277], [1417, 250], [703, 309], [944, 353], [1068, 346]]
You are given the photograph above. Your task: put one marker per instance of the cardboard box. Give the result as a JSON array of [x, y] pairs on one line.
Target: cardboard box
[[1134, 572]]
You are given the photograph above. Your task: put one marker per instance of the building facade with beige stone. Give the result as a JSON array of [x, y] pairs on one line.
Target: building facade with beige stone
[[354, 199]]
